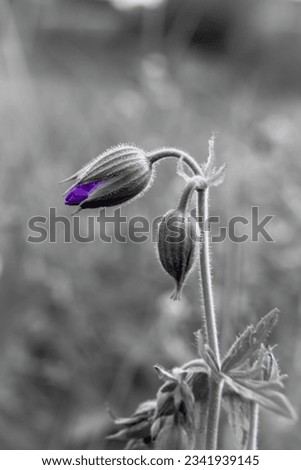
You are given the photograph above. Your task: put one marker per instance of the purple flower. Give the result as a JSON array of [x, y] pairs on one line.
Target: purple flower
[[79, 193], [116, 176]]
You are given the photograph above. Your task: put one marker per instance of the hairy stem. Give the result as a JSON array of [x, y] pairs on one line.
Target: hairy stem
[[184, 201], [167, 152], [215, 398], [205, 272], [215, 389], [253, 432], [209, 322]]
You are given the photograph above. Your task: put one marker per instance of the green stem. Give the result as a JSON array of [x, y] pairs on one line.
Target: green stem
[[253, 432]]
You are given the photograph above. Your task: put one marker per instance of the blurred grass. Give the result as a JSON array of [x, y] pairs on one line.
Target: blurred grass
[[83, 324]]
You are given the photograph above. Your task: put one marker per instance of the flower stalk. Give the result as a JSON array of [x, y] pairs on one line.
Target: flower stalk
[[205, 273], [215, 389], [214, 408], [170, 152], [253, 431]]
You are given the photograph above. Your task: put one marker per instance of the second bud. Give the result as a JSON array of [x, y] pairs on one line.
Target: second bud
[[177, 241]]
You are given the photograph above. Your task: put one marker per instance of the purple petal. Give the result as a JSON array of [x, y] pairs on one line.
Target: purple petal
[[81, 192]]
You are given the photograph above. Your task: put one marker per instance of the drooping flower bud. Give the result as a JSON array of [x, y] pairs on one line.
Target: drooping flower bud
[[173, 426], [177, 242], [116, 176]]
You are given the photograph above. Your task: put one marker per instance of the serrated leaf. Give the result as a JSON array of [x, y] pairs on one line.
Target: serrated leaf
[[265, 326], [238, 412], [268, 398], [238, 349], [249, 341]]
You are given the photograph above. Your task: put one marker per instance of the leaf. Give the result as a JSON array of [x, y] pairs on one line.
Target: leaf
[[265, 326], [251, 373], [139, 444], [238, 349], [268, 398], [258, 385], [201, 418], [196, 365], [213, 176], [238, 412], [271, 368], [209, 165], [144, 409], [211, 359], [249, 341], [201, 340], [137, 425], [199, 384], [219, 176], [163, 374]]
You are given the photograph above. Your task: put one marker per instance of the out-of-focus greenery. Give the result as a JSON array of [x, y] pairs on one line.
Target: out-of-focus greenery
[[81, 325]]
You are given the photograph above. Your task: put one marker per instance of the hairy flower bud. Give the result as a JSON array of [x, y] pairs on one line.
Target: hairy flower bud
[[116, 176], [177, 242], [173, 426]]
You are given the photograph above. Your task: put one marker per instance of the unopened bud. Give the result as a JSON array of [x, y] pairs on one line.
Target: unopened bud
[[118, 175], [176, 247]]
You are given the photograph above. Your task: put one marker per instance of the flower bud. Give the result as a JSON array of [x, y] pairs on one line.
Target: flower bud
[[116, 176], [176, 247], [173, 426]]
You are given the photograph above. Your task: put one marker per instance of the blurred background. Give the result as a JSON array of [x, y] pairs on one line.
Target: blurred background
[[81, 325]]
